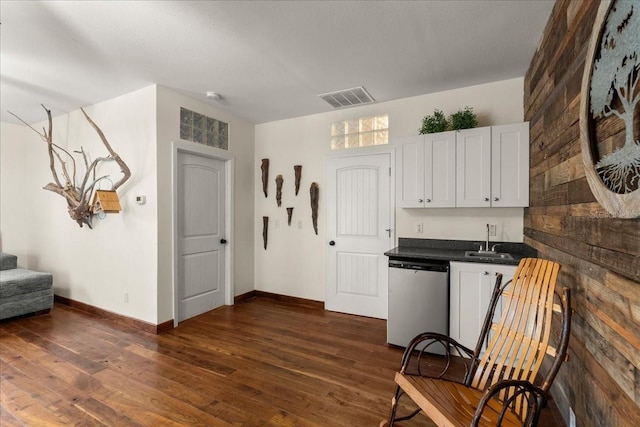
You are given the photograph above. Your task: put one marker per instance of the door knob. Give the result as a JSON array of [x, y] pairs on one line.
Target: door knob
[[495, 199], [223, 241], [332, 243], [486, 273], [486, 199]]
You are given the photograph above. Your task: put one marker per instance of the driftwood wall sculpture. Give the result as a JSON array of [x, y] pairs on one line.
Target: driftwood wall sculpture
[[77, 192], [265, 175], [279, 181], [289, 215], [314, 193], [298, 175], [265, 230]]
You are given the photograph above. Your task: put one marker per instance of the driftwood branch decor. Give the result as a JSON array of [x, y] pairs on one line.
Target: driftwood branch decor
[[314, 193], [265, 175], [289, 215], [265, 230], [298, 175], [279, 181], [65, 182]]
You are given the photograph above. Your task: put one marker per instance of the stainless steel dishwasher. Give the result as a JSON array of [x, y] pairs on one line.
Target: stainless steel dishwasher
[[418, 300]]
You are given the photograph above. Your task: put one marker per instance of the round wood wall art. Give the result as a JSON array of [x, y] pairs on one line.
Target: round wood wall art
[[609, 109]]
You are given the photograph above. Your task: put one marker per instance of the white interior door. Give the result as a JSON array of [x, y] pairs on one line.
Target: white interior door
[[359, 232], [200, 234]]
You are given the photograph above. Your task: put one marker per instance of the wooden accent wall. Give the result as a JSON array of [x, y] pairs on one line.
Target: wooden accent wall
[[600, 255]]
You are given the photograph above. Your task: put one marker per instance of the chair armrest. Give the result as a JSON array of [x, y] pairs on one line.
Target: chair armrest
[[412, 354], [518, 394]]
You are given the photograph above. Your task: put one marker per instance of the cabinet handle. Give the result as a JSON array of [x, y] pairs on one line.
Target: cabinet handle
[[495, 199], [428, 200], [486, 273], [420, 201], [486, 199]]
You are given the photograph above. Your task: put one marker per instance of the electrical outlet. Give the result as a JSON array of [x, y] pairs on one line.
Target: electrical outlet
[[492, 230], [419, 228], [572, 418], [126, 296]]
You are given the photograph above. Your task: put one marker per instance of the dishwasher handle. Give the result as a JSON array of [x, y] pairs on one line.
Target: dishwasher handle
[[420, 265]]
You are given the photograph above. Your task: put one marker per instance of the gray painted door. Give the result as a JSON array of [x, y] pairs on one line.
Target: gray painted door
[[201, 228]]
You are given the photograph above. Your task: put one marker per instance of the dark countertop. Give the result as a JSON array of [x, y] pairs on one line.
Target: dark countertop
[[454, 250]]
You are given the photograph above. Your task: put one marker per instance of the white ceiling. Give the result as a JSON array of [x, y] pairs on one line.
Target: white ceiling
[[268, 59]]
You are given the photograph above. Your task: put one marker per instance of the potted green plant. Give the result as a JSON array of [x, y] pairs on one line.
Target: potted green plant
[[463, 119], [434, 123]]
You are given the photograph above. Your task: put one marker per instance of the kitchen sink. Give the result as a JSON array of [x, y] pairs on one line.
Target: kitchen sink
[[487, 255]]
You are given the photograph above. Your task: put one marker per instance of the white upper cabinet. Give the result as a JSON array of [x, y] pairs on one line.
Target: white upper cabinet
[[510, 165], [440, 178], [493, 166], [410, 170], [480, 167], [473, 178], [426, 164]]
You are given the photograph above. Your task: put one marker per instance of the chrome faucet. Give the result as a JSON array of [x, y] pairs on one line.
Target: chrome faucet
[[486, 245]]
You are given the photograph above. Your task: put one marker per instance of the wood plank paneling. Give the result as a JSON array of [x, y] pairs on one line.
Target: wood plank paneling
[[600, 255]]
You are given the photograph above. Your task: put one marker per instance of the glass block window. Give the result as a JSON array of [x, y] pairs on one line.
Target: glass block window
[[204, 130], [361, 132]]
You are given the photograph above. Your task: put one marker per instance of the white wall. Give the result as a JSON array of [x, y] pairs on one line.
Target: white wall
[[241, 147], [294, 263], [461, 223], [118, 255], [13, 186], [131, 252], [128, 252]]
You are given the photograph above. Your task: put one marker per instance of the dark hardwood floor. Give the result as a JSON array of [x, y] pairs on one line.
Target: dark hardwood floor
[[259, 363]]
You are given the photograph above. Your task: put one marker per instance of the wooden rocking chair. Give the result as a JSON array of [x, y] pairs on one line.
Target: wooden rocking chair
[[499, 385]]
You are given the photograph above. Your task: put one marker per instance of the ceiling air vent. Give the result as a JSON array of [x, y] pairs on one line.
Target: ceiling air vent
[[347, 97]]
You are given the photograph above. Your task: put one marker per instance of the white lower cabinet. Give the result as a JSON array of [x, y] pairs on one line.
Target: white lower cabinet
[[471, 286]]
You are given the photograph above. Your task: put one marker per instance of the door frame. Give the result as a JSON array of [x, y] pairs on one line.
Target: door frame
[[361, 152], [229, 163]]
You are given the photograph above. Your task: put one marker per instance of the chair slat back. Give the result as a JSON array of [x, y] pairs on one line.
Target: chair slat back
[[519, 341]]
